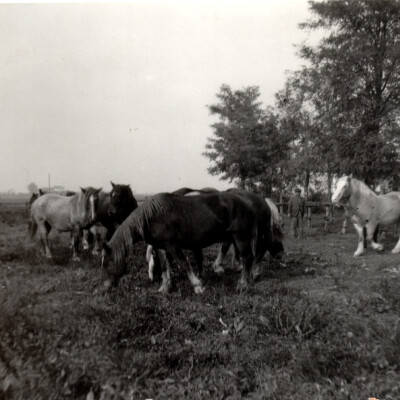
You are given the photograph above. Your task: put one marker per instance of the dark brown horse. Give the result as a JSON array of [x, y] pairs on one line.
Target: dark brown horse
[[173, 223], [113, 209], [153, 256], [269, 226], [270, 234]]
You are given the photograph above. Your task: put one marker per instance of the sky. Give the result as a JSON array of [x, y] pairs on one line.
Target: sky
[[119, 91]]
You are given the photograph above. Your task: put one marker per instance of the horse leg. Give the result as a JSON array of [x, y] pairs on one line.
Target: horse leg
[[87, 239], [396, 248], [217, 265], [153, 259], [247, 258], [150, 260], [182, 260], [43, 232], [237, 264], [371, 233], [198, 257], [97, 242], [75, 247], [166, 271], [360, 248]]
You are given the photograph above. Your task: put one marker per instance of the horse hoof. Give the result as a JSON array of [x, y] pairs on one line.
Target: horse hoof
[[76, 259], [395, 251], [198, 289], [219, 270], [241, 286], [107, 284], [163, 289], [96, 253]]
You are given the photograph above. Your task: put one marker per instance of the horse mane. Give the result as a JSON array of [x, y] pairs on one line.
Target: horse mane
[[362, 187], [133, 228], [79, 200], [276, 226]]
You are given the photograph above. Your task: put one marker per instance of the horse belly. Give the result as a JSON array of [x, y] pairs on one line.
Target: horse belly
[[60, 221], [389, 217]]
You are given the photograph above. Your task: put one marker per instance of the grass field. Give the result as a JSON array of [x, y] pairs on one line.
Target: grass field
[[319, 325]]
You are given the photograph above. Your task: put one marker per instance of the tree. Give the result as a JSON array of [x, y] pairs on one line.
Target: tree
[[246, 146], [32, 188], [356, 75]]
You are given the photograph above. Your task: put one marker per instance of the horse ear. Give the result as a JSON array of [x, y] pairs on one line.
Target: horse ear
[[351, 176], [106, 248], [112, 184], [98, 190], [83, 190], [40, 192]]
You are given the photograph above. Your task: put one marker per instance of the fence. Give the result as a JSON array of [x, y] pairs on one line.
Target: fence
[[328, 216]]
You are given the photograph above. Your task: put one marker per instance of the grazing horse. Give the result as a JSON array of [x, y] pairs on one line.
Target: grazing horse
[[172, 223], [153, 255], [113, 209], [270, 232], [64, 214], [368, 210]]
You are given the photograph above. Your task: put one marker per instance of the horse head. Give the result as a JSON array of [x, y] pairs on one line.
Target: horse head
[[91, 196], [342, 191], [122, 202]]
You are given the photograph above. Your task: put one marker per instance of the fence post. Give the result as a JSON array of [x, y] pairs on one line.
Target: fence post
[[308, 216], [346, 220], [328, 216]]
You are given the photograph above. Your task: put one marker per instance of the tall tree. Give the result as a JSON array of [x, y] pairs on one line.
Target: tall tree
[[32, 187], [245, 147], [356, 72]]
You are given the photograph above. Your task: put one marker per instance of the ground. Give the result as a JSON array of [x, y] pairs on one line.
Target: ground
[[319, 325]]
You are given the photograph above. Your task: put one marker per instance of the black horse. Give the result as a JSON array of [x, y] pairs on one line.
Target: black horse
[[113, 209], [172, 223], [153, 256], [270, 236]]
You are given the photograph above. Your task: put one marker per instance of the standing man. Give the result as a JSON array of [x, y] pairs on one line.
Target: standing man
[[296, 211]]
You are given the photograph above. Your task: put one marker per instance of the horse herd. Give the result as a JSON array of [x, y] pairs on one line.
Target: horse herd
[[169, 223], [189, 219]]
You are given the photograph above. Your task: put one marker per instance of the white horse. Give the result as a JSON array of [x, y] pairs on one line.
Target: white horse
[[367, 210], [66, 214]]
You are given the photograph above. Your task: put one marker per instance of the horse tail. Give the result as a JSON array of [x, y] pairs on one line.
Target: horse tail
[[365, 237]]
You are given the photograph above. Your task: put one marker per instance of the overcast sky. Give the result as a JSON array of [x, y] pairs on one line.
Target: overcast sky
[[98, 92]]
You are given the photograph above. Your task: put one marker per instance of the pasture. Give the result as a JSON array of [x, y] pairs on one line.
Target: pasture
[[319, 325]]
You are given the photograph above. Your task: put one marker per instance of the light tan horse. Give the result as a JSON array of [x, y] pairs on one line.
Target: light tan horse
[[367, 211], [66, 214]]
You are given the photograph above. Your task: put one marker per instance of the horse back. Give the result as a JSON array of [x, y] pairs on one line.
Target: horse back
[[199, 221], [389, 207], [54, 209]]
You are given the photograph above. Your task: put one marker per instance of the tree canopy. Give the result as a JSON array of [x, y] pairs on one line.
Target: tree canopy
[[338, 114]]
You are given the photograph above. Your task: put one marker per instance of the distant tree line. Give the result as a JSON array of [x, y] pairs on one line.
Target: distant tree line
[[338, 114]]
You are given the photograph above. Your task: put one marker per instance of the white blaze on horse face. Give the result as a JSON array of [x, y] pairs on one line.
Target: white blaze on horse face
[[341, 190], [92, 208]]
